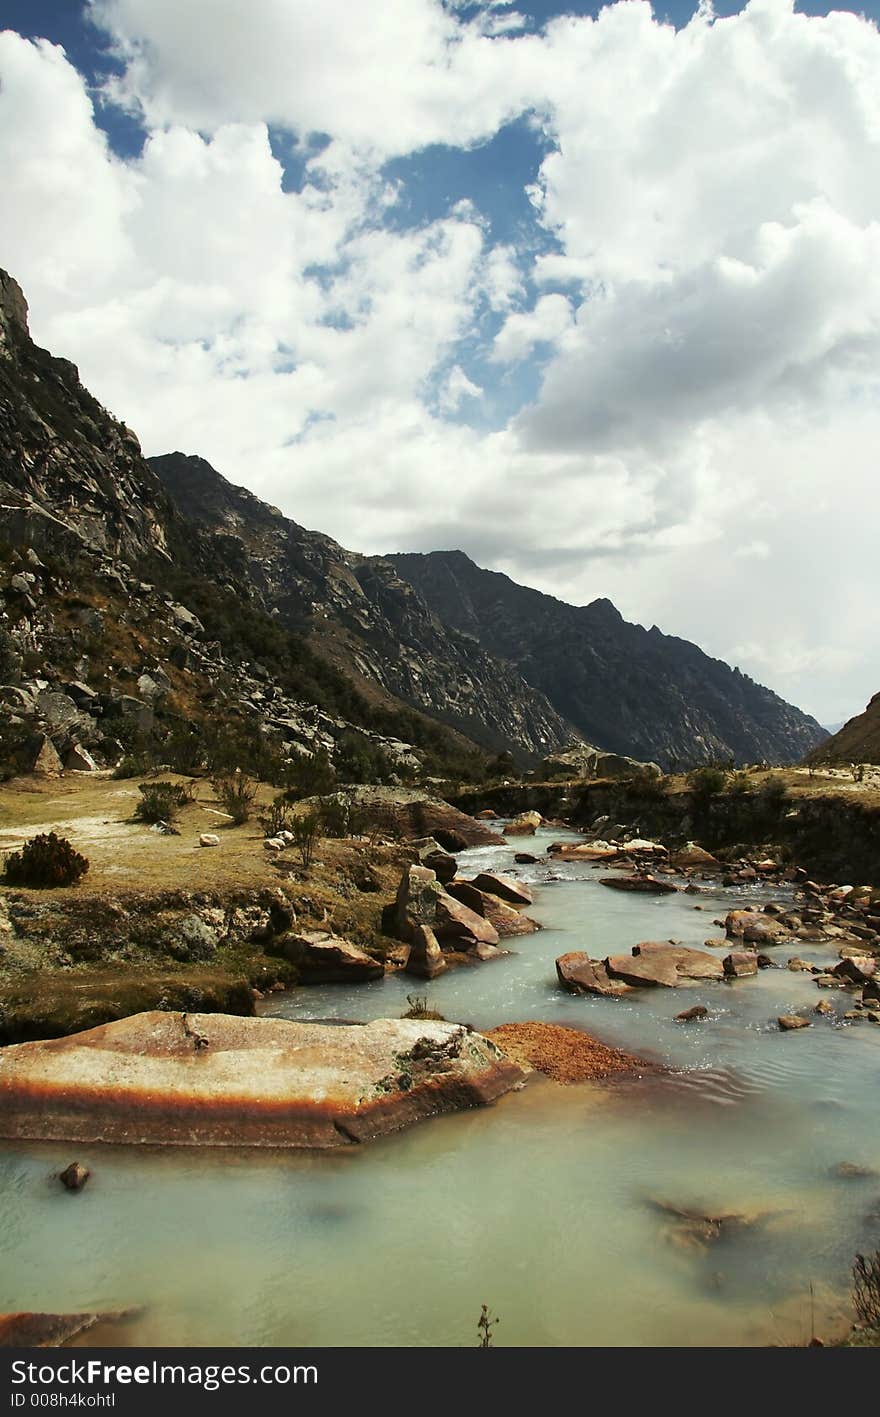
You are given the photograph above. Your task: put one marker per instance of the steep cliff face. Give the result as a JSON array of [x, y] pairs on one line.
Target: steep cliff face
[[361, 613], [632, 691], [858, 741], [69, 472]]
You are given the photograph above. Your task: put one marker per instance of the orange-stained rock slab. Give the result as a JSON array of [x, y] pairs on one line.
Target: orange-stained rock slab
[[219, 1080]]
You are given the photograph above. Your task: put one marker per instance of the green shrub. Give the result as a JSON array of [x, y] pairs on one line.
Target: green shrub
[[306, 829], [277, 817], [236, 795], [706, 782], [161, 801], [310, 775], [44, 862], [131, 765]]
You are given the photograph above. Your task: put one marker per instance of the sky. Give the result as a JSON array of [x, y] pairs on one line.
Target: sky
[[590, 294]]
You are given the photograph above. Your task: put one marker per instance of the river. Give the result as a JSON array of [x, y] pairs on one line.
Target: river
[[543, 1206]]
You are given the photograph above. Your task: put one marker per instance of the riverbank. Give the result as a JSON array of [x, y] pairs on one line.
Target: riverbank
[[825, 822]]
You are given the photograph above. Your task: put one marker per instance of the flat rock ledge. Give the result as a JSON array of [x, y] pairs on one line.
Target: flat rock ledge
[[175, 1079], [565, 1054]]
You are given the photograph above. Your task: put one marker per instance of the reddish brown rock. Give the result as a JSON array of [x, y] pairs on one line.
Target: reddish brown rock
[[650, 885], [855, 969], [789, 1022], [699, 1011], [693, 856], [740, 963], [322, 958], [508, 890], [425, 959], [255, 1082], [753, 927], [74, 1176], [459, 927], [582, 975], [658, 963], [564, 1054]]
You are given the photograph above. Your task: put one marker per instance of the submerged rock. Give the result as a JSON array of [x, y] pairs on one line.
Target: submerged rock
[[256, 1082], [698, 1011], [789, 1022], [74, 1176]]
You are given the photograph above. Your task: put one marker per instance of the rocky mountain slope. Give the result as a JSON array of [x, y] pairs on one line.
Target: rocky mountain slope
[[633, 691], [361, 614], [129, 622], [858, 741]]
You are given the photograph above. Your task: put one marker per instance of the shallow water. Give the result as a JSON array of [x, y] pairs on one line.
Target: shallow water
[[539, 1206]]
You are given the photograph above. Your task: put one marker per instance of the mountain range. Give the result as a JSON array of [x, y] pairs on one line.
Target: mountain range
[[144, 598]]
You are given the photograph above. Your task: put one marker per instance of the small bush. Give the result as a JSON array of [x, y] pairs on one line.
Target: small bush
[[306, 830], [46, 861], [418, 1008], [310, 775], [131, 765], [277, 817], [16, 749], [161, 801], [236, 795], [706, 782], [866, 1289]]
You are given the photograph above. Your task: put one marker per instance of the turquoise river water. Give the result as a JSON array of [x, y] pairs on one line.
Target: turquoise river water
[[540, 1206]]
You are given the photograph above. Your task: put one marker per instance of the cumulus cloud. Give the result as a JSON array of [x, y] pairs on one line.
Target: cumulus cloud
[[685, 342]]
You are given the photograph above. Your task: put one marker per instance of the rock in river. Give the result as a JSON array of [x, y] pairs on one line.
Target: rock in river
[[582, 975], [789, 1022], [649, 884], [659, 963], [255, 1082], [322, 958]]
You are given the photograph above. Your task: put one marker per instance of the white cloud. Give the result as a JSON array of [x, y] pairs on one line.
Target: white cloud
[[701, 446], [546, 323]]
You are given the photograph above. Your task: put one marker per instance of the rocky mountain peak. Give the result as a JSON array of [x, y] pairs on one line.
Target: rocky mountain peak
[[13, 308]]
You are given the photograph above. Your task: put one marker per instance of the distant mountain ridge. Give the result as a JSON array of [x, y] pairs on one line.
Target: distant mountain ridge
[[163, 567], [629, 690]]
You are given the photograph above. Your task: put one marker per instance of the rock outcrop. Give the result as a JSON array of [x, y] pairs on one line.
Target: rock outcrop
[[214, 1080]]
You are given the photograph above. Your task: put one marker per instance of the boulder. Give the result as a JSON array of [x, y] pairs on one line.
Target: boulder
[[525, 858], [698, 1011], [508, 921], [46, 763], [469, 895], [800, 966], [513, 892], [82, 694], [693, 856], [430, 853], [322, 958], [753, 927], [520, 827], [582, 975], [789, 1022], [871, 991], [457, 926], [78, 760], [656, 963], [263, 1082], [824, 1007], [425, 958], [740, 963], [209, 839], [416, 902], [855, 969], [74, 1176], [649, 885]]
